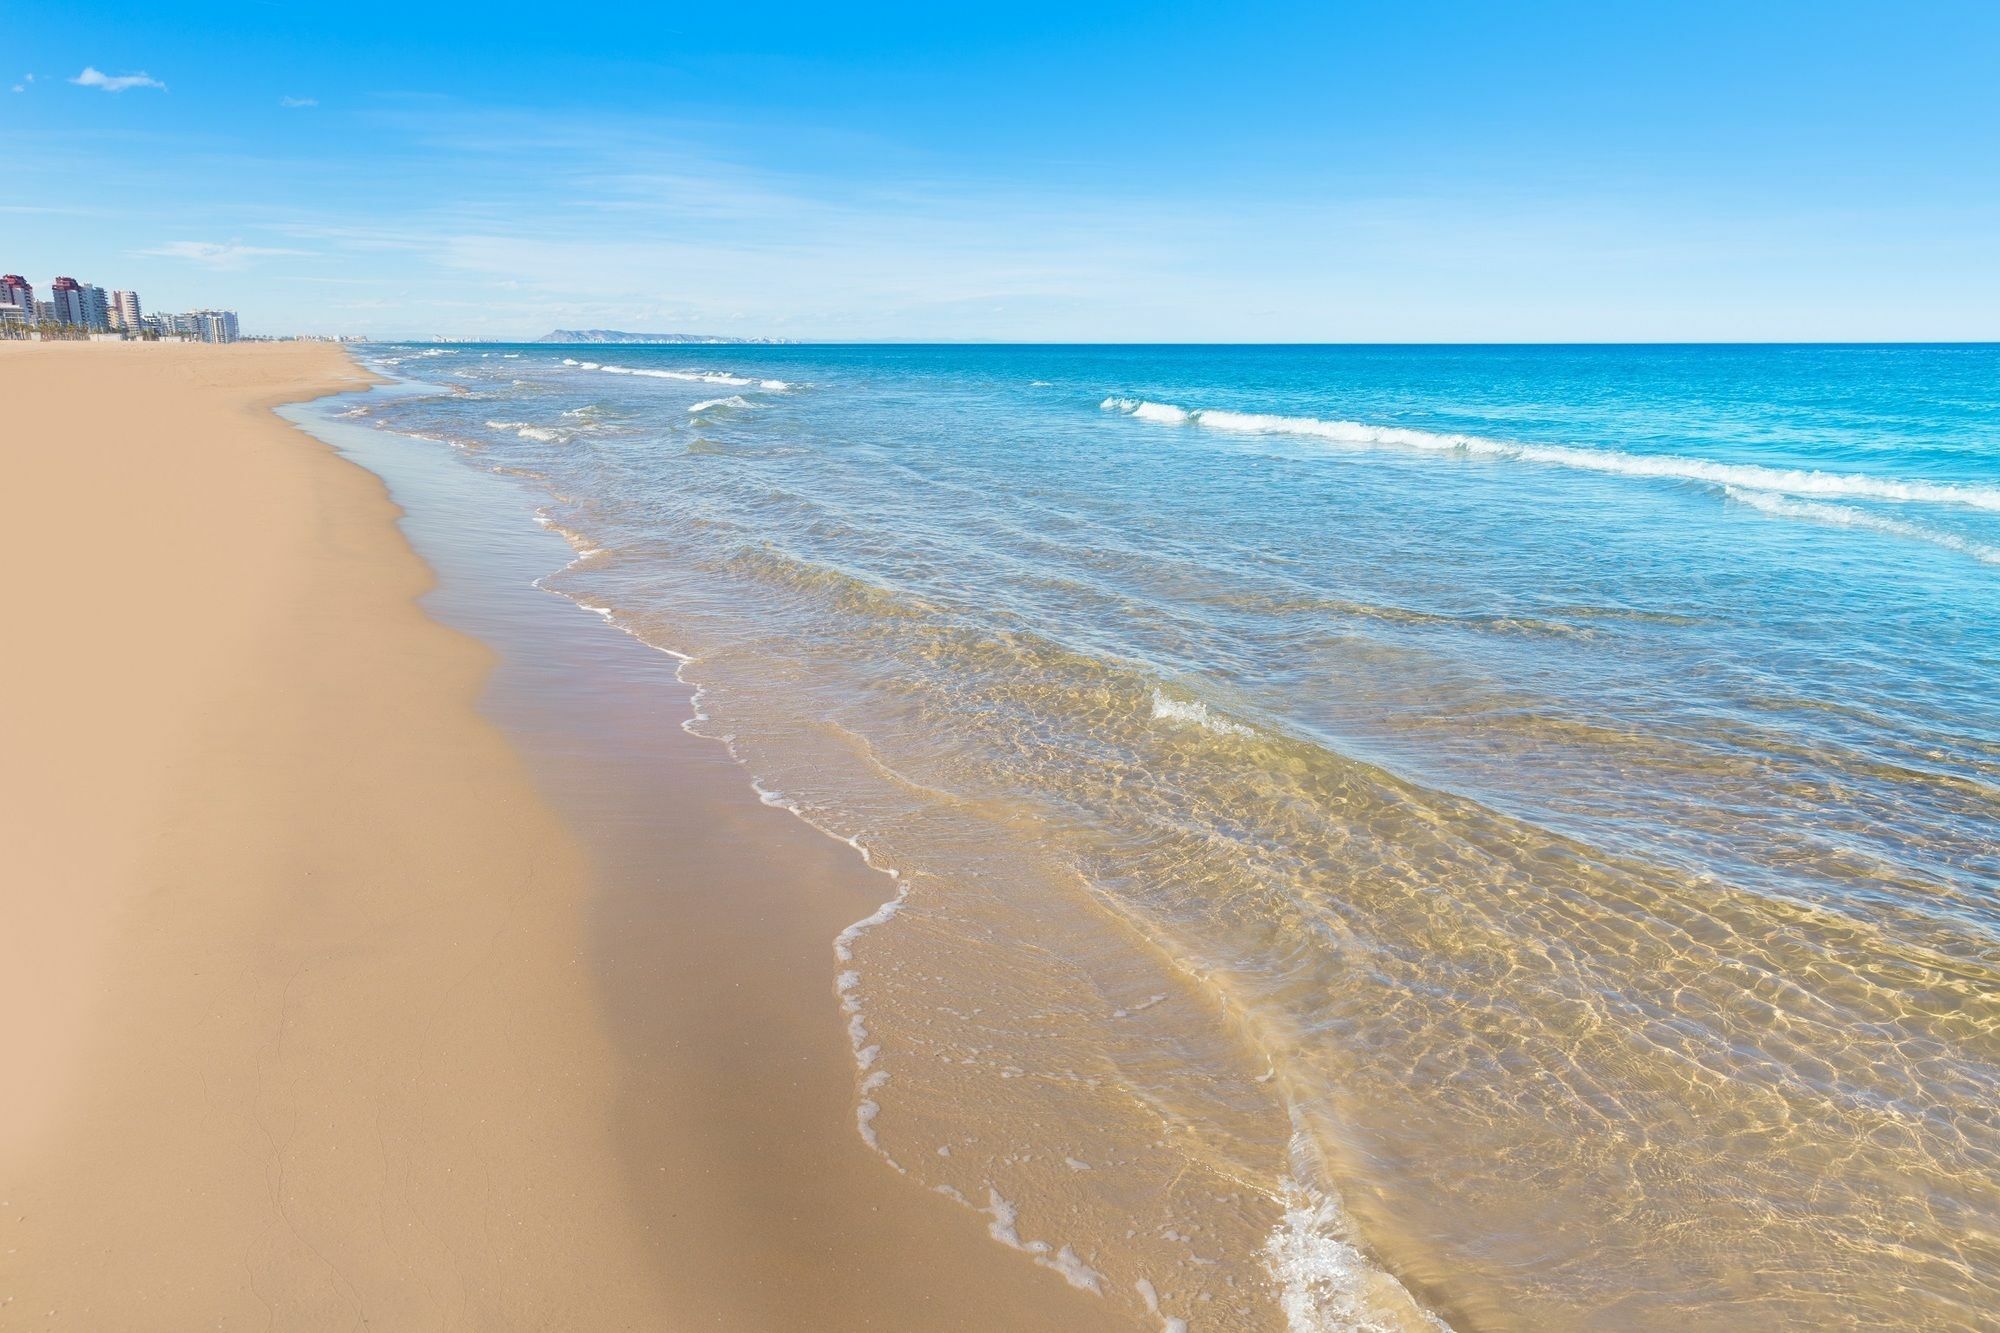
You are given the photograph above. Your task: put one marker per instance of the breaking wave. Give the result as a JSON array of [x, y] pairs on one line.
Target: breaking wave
[[1195, 713], [693, 376], [1672, 467], [1846, 516], [541, 434]]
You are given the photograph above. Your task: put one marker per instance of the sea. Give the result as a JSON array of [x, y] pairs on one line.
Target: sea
[[1372, 837]]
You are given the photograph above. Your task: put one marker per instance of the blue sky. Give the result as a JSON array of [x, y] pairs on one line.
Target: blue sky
[[1280, 172]]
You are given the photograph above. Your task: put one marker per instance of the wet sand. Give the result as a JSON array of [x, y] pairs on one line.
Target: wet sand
[[315, 1009]]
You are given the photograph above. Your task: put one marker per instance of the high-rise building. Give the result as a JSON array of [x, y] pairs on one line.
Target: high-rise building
[[80, 304], [96, 308], [66, 301], [125, 313], [215, 326], [15, 291]]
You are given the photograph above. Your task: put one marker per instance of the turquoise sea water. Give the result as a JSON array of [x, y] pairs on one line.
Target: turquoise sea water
[[1522, 824]]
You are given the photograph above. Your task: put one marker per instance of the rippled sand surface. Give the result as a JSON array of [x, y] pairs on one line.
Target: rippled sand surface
[[1379, 837]]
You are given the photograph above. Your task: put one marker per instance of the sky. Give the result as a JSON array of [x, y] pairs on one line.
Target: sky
[[1250, 172]]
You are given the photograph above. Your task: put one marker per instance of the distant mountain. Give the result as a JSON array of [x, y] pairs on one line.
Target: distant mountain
[[619, 336]]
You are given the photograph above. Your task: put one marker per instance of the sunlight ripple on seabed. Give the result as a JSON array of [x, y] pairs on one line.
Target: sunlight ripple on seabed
[[1354, 876]]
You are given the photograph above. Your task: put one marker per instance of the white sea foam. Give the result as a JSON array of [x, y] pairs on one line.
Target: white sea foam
[[1003, 1226], [1076, 1272], [866, 1110], [691, 376], [1847, 516], [545, 434], [578, 543], [1163, 413], [771, 796], [1195, 713], [843, 943], [1004, 1215], [733, 400], [1325, 1283], [1151, 1296], [1671, 467]]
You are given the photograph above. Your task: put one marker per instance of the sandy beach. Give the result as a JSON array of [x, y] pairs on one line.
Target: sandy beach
[[315, 1010]]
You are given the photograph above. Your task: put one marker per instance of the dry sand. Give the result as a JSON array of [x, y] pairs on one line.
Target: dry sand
[[304, 988]]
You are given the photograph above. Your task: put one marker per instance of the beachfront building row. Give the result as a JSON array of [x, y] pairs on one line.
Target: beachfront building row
[[202, 326], [80, 309]]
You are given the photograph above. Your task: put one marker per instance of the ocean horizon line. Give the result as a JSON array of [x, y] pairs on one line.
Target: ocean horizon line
[[751, 343]]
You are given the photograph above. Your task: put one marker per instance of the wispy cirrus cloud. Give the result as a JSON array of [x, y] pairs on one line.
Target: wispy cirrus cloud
[[220, 254], [93, 77], [298, 101]]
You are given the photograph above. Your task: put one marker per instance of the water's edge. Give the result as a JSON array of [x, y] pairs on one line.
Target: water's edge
[[1323, 1280]]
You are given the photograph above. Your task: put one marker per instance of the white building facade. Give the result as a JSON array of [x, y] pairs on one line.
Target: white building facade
[[125, 313]]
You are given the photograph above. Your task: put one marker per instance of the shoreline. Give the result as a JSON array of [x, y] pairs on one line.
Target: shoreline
[[1275, 897], [345, 1003], [739, 1083], [1206, 1208]]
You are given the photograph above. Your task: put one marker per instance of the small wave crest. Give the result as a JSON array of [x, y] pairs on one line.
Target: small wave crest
[[1326, 1284], [527, 431], [1671, 467], [1195, 713], [692, 376], [733, 400], [1846, 516], [1164, 413]]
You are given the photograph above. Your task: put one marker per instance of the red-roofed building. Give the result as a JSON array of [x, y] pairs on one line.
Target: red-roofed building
[[15, 291]]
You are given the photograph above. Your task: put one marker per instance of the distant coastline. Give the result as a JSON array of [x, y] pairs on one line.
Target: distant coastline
[[620, 336]]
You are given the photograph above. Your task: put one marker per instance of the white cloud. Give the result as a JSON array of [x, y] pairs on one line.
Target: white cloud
[[298, 101], [214, 254], [93, 77]]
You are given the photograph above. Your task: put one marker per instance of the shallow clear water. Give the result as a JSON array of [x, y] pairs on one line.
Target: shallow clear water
[[1502, 835]]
